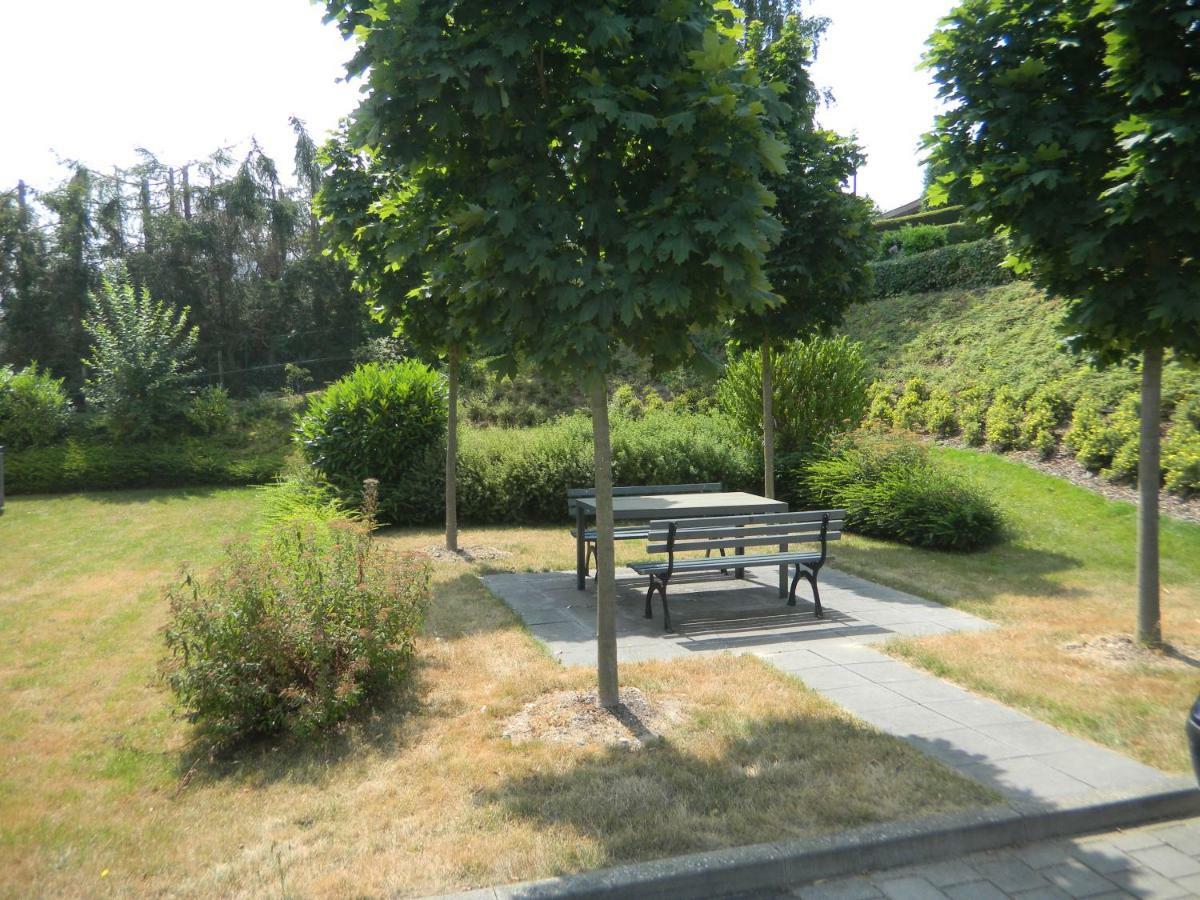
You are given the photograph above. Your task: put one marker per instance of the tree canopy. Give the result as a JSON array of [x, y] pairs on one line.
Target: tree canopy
[[1074, 127]]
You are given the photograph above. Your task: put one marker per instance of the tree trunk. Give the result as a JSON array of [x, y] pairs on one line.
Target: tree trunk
[[452, 453], [187, 194], [768, 403], [606, 577], [147, 239], [1149, 621]]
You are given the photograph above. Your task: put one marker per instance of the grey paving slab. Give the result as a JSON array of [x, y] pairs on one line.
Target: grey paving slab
[[1093, 867], [910, 888], [1007, 750]]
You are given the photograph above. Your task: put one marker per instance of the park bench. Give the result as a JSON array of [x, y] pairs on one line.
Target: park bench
[[779, 530], [637, 532]]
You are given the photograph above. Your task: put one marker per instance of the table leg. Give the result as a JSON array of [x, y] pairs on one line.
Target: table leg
[[740, 571], [580, 548]]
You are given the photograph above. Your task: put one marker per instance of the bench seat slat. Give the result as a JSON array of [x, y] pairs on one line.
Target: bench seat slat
[[749, 519], [683, 545], [734, 531], [717, 563]]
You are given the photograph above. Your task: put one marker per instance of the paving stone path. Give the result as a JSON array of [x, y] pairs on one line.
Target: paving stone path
[[1158, 861], [1022, 758]]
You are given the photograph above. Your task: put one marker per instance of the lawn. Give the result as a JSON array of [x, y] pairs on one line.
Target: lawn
[[103, 791], [1067, 571]]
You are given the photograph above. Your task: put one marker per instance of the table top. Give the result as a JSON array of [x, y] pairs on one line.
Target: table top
[[658, 506]]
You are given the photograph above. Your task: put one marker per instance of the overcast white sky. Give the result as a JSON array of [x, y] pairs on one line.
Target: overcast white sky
[[95, 79]]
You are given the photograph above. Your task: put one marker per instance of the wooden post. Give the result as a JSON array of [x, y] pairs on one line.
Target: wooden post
[[1149, 618], [452, 452], [606, 576]]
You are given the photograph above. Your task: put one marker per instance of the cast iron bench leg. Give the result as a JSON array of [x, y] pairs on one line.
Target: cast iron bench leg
[[580, 557]]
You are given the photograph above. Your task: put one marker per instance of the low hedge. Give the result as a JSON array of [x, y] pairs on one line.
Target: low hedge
[[86, 466], [941, 216], [973, 264]]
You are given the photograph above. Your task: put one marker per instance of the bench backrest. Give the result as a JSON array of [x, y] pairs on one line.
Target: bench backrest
[[759, 530], [638, 490]]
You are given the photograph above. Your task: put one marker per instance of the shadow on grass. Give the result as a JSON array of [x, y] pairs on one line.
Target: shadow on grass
[[388, 723], [776, 779], [981, 576]]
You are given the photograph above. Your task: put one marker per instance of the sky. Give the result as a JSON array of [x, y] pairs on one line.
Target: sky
[[93, 80]]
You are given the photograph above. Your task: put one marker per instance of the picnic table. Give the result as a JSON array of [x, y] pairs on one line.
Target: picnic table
[[648, 507]]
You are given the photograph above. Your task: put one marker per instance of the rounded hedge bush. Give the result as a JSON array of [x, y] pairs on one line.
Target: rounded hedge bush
[[386, 422], [34, 409], [891, 488]]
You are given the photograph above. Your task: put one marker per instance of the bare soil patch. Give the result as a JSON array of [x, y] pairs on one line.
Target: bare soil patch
[[465, 554], [1122, 651], [576, 717]]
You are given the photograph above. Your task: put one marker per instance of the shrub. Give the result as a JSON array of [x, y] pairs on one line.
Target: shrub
[[78, 465], [973, 264], [880, 403], [626, 402], [1090, 437], [1125, 426], [891, 488], [1181, 457], [522, 477], [292, 636], [914, 239], [972, 411], [34, 410], [820, 391], [303, 498], [941, 215], [141, 351], [938, 414], [296, 378], [382, 422], [1043, 413], [1004, 421], [210, 411], [909, 412]]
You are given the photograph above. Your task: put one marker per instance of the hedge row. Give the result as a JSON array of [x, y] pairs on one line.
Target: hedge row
[[942, 216], [973, 264], [85, 466]]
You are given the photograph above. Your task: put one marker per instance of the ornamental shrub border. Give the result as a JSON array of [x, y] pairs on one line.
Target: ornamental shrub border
[[972, 264]]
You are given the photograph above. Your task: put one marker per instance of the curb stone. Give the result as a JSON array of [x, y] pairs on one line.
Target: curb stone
[[762, 867]]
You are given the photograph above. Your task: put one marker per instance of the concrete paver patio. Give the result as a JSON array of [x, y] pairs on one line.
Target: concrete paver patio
[[1022, 758]]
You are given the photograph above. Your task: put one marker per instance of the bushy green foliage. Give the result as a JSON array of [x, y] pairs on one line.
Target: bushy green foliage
[[34, 410], [521, 476], [972, 264], [84, 465], [382, 422], [942, 215], [303, 498], [1124, 425], [210, 410], [293, 636], [972, 413], [820, 391], [891, 488], [880, 402], [1181, 458], [1090, 437], [1004, 418], [141, 351], [626, 402], [909, 411], [915, 239], [938, 415], [1043, 414]]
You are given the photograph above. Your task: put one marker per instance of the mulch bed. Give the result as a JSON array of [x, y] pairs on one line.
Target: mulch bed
[[576, 717]]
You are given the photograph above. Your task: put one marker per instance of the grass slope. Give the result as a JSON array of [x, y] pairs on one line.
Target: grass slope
[[1067, 571], [102, 793], [990, 337]]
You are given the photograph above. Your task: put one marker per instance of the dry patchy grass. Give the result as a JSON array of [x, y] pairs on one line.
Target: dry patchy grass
[[421, 794]]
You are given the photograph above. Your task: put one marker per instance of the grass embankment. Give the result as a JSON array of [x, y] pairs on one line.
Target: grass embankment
[[102, 791], [989, 338], [1068, 571]]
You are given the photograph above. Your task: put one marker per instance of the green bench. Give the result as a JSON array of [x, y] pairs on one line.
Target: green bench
[[778, 530]]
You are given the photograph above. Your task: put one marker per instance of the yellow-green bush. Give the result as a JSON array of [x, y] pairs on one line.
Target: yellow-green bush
[[909, 412], [938, 415], [1003, 430]]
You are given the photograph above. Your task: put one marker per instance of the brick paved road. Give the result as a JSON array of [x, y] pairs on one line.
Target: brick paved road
[[1157, 861]]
